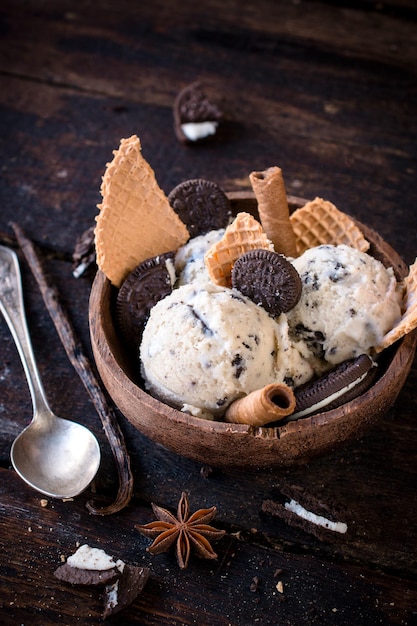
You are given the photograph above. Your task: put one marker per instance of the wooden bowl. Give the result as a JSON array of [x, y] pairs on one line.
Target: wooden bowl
[[235, 445]]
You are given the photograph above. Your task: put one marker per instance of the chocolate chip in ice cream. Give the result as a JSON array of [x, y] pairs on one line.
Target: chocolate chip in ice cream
[[339, 385], [201, 204], [268, 279], [196, 117], [148, 283]]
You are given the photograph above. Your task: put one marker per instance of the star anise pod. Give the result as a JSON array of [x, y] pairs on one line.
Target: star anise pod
[[190, 532]]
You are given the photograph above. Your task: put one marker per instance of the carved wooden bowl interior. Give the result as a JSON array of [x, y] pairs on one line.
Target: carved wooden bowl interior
[[234, 445]]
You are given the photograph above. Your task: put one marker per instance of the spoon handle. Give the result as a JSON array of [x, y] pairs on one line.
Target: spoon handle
[[12, 308]]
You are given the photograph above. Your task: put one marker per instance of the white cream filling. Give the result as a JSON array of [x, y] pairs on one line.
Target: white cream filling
[[79, 271], [319, 520], [169, 264], [112, 595], [198, 130], [93, 558]]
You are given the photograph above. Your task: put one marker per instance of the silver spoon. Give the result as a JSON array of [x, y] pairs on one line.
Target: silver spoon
[[56, 456]]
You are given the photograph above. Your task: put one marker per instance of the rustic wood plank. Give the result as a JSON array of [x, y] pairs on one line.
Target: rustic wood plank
[[337, 479], [327, 91], [316, 127], [245, 575]]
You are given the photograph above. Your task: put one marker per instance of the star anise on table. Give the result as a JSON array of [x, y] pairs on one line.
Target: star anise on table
[[190, 532]]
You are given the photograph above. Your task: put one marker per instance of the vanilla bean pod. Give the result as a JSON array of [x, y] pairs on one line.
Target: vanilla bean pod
[[76, 355]]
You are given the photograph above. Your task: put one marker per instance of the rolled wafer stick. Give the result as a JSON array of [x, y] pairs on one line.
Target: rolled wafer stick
[[269, 188], [262, 406]]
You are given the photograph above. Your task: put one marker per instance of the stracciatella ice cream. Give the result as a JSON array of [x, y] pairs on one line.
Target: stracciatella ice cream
[[349, 301], [204, 346]]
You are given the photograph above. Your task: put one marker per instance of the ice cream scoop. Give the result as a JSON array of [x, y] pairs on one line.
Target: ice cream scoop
[[55, 456], [349, 301], [205, 345]]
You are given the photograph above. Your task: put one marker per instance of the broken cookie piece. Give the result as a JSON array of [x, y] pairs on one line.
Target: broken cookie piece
[[94, 567], [84, 255], [300, 509], [89, 566], [123, 591], [195, 116]]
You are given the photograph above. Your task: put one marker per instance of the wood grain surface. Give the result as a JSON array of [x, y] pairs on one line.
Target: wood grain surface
[[325, 90]]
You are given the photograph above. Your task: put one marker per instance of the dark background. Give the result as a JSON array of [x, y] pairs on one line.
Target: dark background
[[325, 90]]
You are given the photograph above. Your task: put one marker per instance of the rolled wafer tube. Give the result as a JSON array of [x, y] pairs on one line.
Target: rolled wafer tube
[[262, 406], [269, 188]]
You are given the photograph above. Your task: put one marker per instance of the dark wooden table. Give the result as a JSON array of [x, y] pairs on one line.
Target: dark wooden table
[[327, 91]]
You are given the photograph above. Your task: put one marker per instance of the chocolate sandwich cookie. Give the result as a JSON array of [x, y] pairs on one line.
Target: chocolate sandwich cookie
[[126, 589], [148, 283], [121, 586], [84, 255], [301, 509], [268, 279], [341, 384], [80, 576], [195, 116], [201, 204]]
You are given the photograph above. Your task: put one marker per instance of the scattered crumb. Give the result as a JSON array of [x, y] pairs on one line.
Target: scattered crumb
[[44, 502], [330, 107], [237, 535], [254, 584], [280, 586]]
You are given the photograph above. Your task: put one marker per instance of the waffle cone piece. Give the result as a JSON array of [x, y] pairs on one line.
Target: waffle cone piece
[[263, 406], [243, 234], [320, 222], [136, 221], [408, 321], [269, 188]]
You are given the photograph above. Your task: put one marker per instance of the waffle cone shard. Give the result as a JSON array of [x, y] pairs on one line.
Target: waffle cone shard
[[269, 188], [136, 221], [262, 406], [408, 321], [242, 235], [320, 222]]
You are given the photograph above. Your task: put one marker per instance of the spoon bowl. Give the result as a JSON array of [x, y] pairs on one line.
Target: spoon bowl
[[55, 456], [55, 470]]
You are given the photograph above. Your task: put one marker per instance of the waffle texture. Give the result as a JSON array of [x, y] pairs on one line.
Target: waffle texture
[[408, 321], [320, 222], [136, 221], [243, 234]]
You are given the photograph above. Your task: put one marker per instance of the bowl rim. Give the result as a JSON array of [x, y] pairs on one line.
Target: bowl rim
[[106, 346]]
